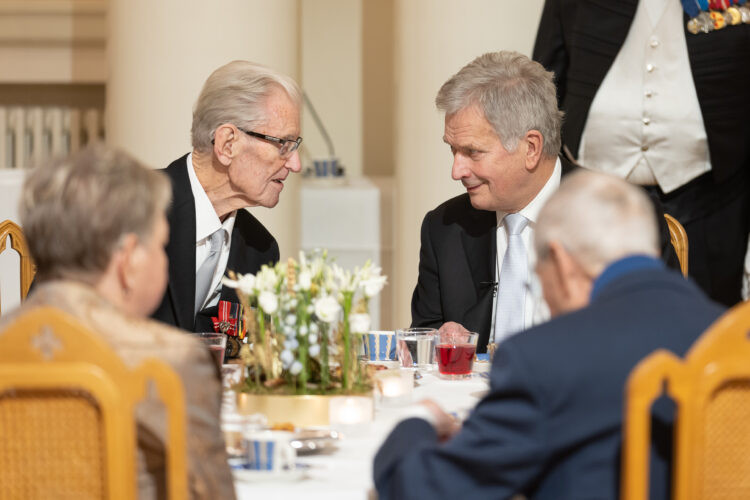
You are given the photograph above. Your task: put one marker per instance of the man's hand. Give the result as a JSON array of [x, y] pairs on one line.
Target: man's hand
[[452, 327], [445, 425]]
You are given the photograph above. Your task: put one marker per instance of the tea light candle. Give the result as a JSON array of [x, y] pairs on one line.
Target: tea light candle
[[395, 386], [350, 410]]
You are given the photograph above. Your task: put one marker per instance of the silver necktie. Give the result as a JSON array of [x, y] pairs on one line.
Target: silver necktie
[[511, 293], [205, 274]]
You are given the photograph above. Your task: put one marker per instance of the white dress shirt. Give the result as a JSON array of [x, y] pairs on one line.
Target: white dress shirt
[[645, 123], [535, 309], [206, 223]]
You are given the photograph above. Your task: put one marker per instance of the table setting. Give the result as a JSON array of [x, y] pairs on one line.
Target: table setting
[[335, 460]]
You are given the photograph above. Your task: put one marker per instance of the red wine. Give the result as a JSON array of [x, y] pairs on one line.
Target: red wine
[[455, 359], [218, 353]]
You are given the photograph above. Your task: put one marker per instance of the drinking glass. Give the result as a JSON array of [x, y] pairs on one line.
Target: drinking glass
[[415, 347], [216, 344], [455, 354]]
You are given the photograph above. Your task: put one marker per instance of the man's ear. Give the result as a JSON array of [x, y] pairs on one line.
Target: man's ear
[[534, 142], [225, 137], [575, 284]]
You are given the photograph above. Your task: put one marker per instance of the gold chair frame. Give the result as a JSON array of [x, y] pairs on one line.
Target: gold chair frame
[[679, 239], [18, 243], [711, 387], [46, 350]]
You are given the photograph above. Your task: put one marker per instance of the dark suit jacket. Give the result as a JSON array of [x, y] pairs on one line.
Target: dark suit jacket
[[457, 265], [550, 427], [252, 246], [579, 41]]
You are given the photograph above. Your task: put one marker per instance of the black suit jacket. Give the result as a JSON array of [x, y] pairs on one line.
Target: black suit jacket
[[550, 426], [457, 265], [252, 246], [579, 41]]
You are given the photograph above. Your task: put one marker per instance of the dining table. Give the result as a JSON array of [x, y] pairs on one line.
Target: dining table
[[344, 472]]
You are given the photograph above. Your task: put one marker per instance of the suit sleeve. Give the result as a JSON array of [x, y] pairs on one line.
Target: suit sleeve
[[426, 309], [498, 453], [549, 48]]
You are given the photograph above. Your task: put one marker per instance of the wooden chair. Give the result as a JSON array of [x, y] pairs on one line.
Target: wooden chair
[[711, 387], [679, 239], [18, 243], [67, 426]]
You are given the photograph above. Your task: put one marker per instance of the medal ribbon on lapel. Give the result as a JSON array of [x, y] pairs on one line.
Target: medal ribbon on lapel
[[229, 320]]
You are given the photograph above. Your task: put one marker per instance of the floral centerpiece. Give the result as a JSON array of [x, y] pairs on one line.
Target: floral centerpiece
[[302, 319]]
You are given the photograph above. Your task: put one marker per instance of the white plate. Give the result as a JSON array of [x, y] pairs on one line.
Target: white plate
[[253, 476]]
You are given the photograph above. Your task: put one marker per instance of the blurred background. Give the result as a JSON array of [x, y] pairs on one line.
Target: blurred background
[[129, 71]]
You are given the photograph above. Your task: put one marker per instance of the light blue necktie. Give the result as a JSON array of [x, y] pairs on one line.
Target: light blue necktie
[[205, 274], [511, 292]]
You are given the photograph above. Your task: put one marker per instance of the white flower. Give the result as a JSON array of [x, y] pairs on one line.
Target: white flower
[[304, 280], [327, 309], [268, 301], [245, 282], [286, 357], [303, 329], [296, 368], [359, 323], [266, 279], [313, 338], [314, 350], [373, 285], [292, 343], [314, 327], [290, 319]]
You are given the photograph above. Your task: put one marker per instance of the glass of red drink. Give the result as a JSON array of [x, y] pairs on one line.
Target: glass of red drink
[[216, 343], [454, 352]]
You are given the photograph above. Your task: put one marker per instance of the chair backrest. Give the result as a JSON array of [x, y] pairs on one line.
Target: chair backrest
[[18, 243], [67, 401], [679, 239], [711, 387]]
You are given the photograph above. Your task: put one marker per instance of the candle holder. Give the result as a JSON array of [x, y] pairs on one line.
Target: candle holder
[[394, 387], [349, 412]]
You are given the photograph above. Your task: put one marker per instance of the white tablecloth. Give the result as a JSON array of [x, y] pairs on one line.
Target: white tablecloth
[[346, 473]]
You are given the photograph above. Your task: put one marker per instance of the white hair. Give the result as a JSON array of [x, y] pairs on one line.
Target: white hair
[[599, 219], [515, 94], [236, 93]]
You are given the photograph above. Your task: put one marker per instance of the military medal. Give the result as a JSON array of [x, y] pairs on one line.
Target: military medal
[[735, 14], [693, 9], [744, 11]]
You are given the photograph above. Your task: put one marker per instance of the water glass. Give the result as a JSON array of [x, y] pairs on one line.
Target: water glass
[[416, 347]]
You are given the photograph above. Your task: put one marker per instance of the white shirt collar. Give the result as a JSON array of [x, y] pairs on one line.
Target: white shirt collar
[[531, 211], [206, 220]]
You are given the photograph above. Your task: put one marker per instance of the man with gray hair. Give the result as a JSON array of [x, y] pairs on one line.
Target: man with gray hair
[[245, 136], [502, 124], [550, 426]]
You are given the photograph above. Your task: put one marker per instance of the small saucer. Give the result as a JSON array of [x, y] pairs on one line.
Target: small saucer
[[240, 473]]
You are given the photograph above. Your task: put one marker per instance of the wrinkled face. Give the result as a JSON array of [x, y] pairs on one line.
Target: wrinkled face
[[149, 269], [258, 172], [494, 178]]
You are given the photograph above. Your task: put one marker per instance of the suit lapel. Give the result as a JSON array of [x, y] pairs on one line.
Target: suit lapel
[[181, 246], [480, 246]]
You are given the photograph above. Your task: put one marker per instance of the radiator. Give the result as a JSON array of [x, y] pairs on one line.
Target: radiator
[[29, 135]]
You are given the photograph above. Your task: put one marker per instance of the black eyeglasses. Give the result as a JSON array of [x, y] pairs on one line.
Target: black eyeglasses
[[286, 146]]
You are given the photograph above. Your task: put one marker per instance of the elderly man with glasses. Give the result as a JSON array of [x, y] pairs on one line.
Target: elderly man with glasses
[[245, 136]]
